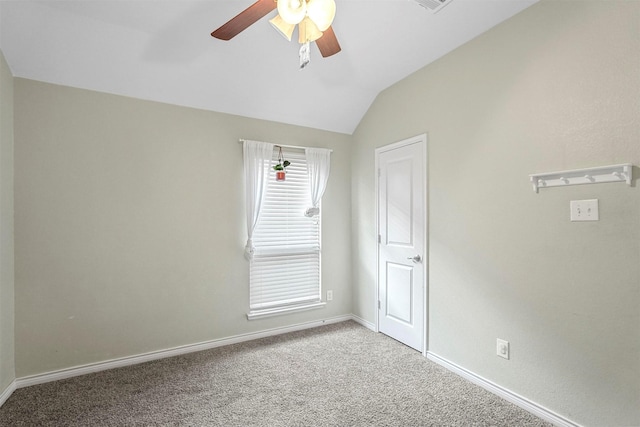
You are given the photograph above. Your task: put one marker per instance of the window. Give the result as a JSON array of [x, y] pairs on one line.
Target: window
[[285, 266]]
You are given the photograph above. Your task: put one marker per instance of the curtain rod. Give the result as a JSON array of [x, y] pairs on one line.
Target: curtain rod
[[297, 147]]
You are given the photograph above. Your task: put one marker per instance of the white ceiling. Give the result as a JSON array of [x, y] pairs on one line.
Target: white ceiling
[[162, 51]]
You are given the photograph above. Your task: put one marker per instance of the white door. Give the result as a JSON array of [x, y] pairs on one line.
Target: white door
[[401, 248]]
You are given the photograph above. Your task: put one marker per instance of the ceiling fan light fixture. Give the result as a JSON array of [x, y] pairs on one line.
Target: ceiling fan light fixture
[[308, 31], [321, 12], [307, 14], [284, 28], [292, 11]]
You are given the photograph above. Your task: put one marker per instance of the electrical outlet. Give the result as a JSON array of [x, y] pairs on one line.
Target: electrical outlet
[[502, 348], [584, 210], [329, 295]]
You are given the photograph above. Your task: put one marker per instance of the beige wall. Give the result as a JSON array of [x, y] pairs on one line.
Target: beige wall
[[556, 87], [130, 220], [130, 226], [7, 367]]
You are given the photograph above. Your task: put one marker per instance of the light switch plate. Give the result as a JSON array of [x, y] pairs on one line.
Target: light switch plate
[[584, 210]]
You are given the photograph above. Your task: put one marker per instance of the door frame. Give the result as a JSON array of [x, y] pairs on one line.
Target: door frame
[[422, 140]]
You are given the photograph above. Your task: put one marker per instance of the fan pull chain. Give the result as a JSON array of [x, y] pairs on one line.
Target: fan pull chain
[[305, 56]]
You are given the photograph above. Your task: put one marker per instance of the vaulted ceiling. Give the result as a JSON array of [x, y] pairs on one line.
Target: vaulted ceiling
[[162, 51]]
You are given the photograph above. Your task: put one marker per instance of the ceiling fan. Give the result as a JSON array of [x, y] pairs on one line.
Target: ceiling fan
[[313, 18]]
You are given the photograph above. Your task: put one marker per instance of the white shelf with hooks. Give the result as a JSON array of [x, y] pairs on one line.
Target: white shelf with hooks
[[614, 173]]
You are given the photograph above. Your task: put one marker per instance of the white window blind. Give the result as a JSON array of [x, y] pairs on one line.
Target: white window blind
[[285, 268]]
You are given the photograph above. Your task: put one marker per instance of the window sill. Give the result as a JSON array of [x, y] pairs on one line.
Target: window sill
[[259, 314]]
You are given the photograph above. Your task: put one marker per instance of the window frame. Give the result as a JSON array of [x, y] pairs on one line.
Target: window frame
[[263, 253]]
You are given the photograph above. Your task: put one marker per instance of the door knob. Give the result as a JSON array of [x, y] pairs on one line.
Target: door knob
[[416, 258]]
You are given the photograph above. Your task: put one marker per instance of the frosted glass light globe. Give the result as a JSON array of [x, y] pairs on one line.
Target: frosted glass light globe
[[321, 12], [292, 11]]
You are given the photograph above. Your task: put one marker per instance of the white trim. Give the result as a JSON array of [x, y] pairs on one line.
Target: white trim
[[377, 239], [508, 395], [6, 394], [261, 314], [365, 323], [162, 354]]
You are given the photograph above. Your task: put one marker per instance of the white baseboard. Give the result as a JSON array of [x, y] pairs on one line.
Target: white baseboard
[[507, 395], [7, 392], [364, 323], [161, 354]]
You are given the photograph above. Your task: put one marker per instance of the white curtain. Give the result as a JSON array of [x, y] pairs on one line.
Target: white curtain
[[257, 162], [319, 165]]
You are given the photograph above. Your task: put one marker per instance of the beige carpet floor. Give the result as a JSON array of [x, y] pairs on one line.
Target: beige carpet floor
[[335, 375]]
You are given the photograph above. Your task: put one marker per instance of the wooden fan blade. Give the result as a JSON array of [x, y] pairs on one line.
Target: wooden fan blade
[[328, 43], [244, 19]]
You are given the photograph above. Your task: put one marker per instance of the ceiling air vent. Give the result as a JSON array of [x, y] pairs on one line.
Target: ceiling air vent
[[433, 5]]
